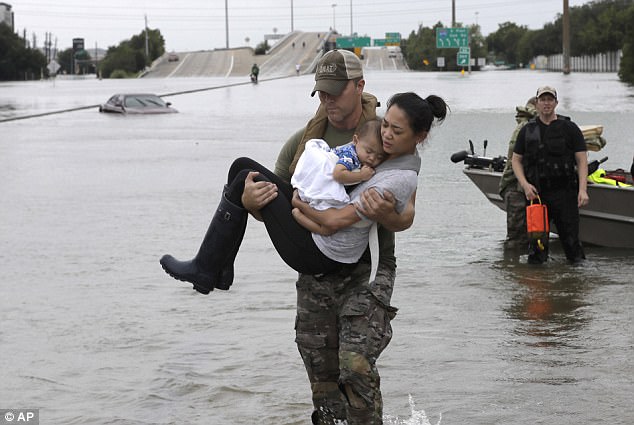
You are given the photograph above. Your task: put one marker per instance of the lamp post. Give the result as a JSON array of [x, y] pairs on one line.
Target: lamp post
[[333, 16]]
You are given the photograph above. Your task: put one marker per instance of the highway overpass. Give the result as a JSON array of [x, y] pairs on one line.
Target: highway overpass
[[297, 47]]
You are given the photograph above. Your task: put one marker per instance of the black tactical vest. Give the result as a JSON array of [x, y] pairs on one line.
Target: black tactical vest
[[549, 160]]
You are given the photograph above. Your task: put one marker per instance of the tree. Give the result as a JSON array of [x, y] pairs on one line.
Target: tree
[[65, 60], [17, 62], [122, 58], [596, 27], [504, 43], [81, 61], [420, 52], [262, 48], [626, 71], [128, 58], [156, 44], [477, 41]]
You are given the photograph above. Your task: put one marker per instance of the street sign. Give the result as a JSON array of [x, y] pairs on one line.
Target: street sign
[[464, 50], [350, 42], [440, 62], [53, 67], [452, 37], [462, 59], [392, 38]]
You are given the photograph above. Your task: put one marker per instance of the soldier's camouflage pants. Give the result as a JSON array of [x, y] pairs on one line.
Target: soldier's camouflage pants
[[515, 204], [342, 326]]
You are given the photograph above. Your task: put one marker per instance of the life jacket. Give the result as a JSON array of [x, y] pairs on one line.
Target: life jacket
[[316, 127], [600, 177], [551, 159]]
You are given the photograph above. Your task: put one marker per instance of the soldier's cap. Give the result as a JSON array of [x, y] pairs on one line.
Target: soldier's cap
[[528, 110], [546, 89], [334, 70]]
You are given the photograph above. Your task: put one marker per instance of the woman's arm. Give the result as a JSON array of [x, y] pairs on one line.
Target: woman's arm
[[329, 221], [310, 225]]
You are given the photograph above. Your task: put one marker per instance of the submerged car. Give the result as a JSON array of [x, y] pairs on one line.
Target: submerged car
[[142, 103]]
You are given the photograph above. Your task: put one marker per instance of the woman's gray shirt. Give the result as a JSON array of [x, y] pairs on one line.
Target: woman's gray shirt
[[398, 176]]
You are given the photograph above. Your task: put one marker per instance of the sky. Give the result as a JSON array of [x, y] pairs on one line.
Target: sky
[[190, 25]]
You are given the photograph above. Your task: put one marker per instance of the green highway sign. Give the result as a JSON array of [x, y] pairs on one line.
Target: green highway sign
[[350, 42], [452, 38], [392, 38], [462, 59]]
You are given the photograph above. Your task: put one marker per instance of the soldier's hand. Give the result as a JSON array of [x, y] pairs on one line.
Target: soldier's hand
[[257, 194], [374, 206]]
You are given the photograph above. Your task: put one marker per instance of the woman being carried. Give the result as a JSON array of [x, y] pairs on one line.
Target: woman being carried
[[406, 124]]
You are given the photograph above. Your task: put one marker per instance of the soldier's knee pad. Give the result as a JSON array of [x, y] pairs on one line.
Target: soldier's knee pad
[[358, 379]]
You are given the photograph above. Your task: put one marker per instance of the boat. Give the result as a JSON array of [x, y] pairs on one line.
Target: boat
[[608, 219]]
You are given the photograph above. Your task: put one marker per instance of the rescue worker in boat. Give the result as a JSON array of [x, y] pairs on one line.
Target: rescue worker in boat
[[550, 160], [510, 190]]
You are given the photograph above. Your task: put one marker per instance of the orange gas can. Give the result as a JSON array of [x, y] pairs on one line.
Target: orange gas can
[[537, 219]]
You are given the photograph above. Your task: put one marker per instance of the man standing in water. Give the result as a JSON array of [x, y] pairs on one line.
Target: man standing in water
[[342, 323], [510, 191], [550, 160]]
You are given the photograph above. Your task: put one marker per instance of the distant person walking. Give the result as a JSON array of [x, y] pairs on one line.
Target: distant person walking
[[255, 71], [297, 68]]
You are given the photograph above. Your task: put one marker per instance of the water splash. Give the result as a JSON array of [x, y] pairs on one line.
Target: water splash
[[418, 417]]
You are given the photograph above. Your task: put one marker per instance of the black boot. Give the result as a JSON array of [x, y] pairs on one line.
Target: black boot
[[220, 245], [226, 275]]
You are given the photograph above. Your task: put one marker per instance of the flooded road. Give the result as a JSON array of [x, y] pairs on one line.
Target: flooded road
[[94, 332]]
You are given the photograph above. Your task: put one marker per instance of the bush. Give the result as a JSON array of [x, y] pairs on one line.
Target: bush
[[120, 73]]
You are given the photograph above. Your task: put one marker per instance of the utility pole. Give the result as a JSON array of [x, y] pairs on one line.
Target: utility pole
[[566, 39], [333, 16], [453, 13], [227, 22], [147, 50], [351, 30], [291, 15]]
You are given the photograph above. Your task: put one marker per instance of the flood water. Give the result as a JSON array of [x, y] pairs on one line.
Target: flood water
[[94, 332]]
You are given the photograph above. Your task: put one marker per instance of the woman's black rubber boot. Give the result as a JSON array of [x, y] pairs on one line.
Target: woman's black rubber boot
[[210, 268]]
